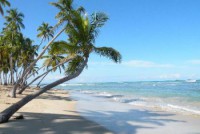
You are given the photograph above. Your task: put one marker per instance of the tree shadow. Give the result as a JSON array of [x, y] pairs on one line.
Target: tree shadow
[[37, 123], [53, 97], [131, 121]]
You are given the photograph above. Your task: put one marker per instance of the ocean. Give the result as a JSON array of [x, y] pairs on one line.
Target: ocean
[[176, 96]]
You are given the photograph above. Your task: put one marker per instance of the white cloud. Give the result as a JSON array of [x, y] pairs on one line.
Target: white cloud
[[101, 63], [196, 62], [170, 76], [145, 64], [135, 64]]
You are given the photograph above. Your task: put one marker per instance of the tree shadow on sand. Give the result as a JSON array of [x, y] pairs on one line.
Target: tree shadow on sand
[[36, 123], [53, 97], [129, 122]]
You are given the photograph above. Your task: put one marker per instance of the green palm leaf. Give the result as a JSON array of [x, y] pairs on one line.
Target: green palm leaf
[[109, 52]]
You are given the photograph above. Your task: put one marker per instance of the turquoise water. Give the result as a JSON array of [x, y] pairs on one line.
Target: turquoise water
[[178, 96]]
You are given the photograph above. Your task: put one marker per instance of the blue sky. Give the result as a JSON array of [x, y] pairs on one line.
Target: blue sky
[[158, 39]]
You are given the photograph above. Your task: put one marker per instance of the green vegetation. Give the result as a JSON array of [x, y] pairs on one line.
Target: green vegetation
[[18, 55], [3, 3]]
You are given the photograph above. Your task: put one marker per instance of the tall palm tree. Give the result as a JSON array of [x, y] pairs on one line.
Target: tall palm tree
[[14, 20], [14, 23], [3, 3], [45, 32], [82, 34]]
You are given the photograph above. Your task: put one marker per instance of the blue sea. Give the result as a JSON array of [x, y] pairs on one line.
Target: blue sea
[[177, 96]]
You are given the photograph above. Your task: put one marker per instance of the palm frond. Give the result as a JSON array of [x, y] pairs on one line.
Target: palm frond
[[74, 65], [109, 52], [98, 19], [63, 47]]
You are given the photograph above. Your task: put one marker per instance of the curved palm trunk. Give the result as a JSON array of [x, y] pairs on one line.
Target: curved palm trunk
[[42, 79], [13, 91], [37, 71], [25, 86], [7, 113], [44, 74], [41, 42]]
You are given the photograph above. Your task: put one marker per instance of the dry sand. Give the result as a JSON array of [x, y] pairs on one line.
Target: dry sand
[[51, 113]]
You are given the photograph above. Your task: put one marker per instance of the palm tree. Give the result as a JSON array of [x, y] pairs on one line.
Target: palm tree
[[65, 8], [3, 3], [55, 59], [64, 16], [84, 31], [82, 34], [4, 63], [51, 61], [27, 54], [45, 32], [14, 23], [14, 20]]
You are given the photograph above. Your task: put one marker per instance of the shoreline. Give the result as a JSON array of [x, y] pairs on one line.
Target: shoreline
[[61, 111], [52, 112], [175, 96], [124, 118]]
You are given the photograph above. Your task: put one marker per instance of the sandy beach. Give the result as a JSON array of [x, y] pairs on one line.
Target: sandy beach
[[58, 112], [101, 67], [51, 113]]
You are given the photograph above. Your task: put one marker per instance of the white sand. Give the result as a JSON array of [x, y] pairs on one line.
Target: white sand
[[51, 113]]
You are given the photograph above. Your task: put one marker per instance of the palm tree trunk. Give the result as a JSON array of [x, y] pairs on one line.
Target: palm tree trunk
[[37, 71], [16, 75], [5, 82], [42, 79], [41, 42], [8, 78], [11, 70], [3, 79], [13, 91], [24, 87], [0, 79], [7, 113], [11, 64]]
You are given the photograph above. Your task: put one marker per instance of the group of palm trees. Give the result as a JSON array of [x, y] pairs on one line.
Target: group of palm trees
[[69, 56], [16, 51]]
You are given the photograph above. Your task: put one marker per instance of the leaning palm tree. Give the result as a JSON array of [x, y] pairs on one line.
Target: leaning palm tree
[[56, 58], [64, 16], [82, 33], [3, 3], [51, 61]]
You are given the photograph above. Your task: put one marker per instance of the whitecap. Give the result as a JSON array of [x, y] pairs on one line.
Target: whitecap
[[181, 108]]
